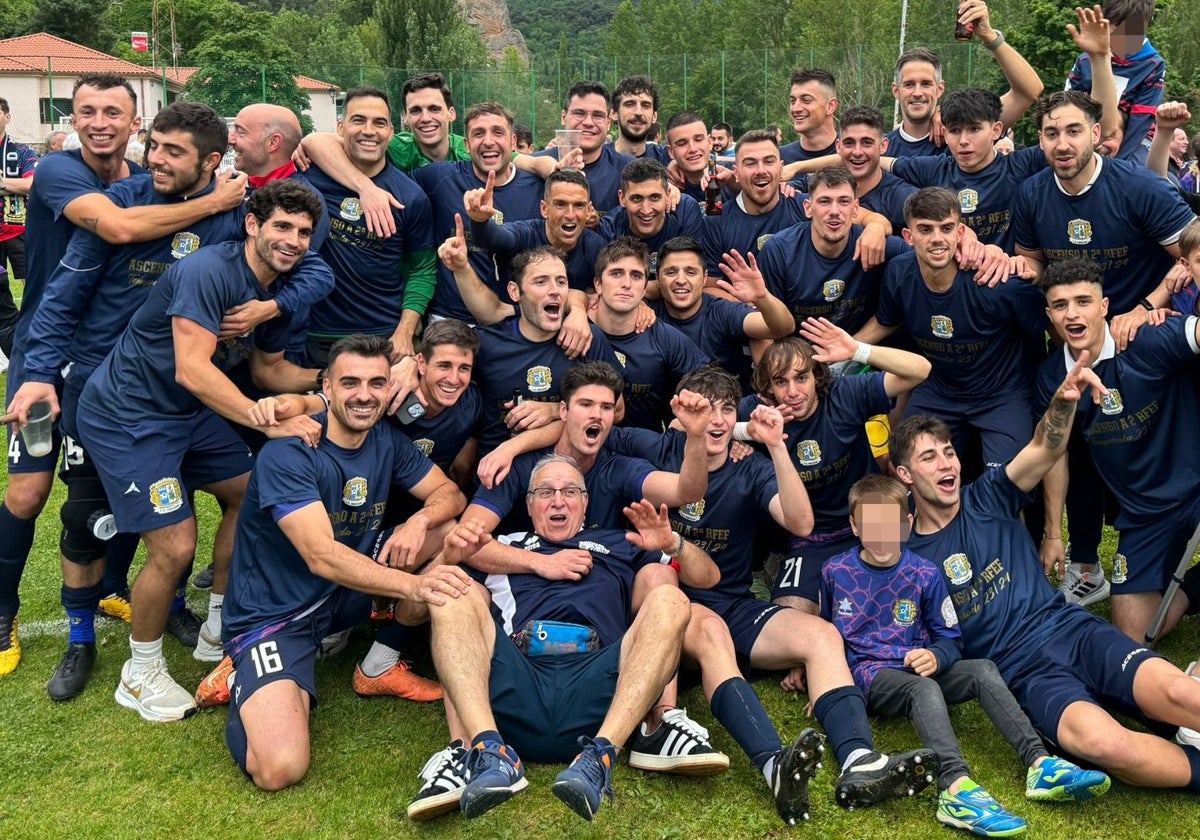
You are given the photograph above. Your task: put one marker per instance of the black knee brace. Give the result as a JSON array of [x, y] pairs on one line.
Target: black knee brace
[[87, 521]]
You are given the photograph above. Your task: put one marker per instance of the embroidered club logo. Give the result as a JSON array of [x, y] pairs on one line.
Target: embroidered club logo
[[949, 616], [904, 612], [354, 494], [808, 452], [538, 379], [1120, 568], [968, 200], [831, 290], [166, 495], [622, 358], [351, 209], [1111, 403], [498, 216], [692, 512], [1079, 231], [957, 568], [183, 244], [762, 240], [425, 445], [942, 326]]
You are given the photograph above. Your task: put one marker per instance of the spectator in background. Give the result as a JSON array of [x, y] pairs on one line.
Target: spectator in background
[[524, 140], [54, 141]]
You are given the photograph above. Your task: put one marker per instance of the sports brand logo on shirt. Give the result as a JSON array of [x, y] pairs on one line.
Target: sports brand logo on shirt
[[968, 200], [1079, 231], [166, 495], [425, 445], [808, 452], [351, 209], [594, 547], [845, 608], [942, 326], [539, 379], [1111, 403], [692, 512], [183, 244], [831, 290], [957, 568], [354, 494], [904, 612]]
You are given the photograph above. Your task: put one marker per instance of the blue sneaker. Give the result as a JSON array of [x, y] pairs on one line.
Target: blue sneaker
[[1057, 779], [974, 809], [494, 776], [589, 778]]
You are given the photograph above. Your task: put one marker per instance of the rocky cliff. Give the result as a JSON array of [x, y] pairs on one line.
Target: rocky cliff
[[491, 16]]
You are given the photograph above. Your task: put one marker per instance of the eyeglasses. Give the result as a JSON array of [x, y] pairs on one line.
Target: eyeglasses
[[545, 494], [580, 115]]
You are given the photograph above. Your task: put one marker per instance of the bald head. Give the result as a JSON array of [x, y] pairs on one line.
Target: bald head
[[263, 138]]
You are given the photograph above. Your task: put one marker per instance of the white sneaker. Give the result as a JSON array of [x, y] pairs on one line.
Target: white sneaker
[[153, 694], [3, 362], [1185, 736], [1084, 588], [207, 648], [333, 644]]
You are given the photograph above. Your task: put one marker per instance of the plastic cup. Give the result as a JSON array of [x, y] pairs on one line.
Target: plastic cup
[[38, 432], [566, 139]]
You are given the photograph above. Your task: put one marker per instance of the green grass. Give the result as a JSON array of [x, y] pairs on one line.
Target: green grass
[[89, 768]]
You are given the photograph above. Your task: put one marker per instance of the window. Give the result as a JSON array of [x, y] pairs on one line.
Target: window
[[51, 110]]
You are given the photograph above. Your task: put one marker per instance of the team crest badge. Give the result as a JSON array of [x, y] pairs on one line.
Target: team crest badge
[[968, 200], [351, 209], [1120, 568], [425, 445], [498, 216], [1111, 403], [833, 289], [762, 240], [942, 326], [904, 612], [354, 493], [957, 568], [808, 453], [166, 495], [1079, 231], [183, 244], [622, 358], [949, 616], [693, 511], [538, 379]]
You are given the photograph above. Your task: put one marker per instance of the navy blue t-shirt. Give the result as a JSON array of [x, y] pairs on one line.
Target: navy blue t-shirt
[[737, 230], [603, 174], [441, 437], [974, 336], [269, 581], [503, 242], [1122, 221], [899, 145], [653, 362], [793, 152], [685, 220], [887, 199], [719, 330], [654, 151]]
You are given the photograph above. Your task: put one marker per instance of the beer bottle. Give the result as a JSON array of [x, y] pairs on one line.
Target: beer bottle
[[712, 193], [962, 31]]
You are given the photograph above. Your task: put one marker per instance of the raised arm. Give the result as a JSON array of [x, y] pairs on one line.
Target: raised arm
[[483, 304], [691, 482], [903, 370], [1093, 37], [790, 507], [1024, 84], [744, 281]]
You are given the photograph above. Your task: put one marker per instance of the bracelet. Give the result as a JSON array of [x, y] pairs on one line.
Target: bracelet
[[675, 552], [995, 43], [861, 353], [1146, 304], [1059, 538]]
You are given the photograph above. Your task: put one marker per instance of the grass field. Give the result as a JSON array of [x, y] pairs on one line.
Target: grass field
[[89, 768]]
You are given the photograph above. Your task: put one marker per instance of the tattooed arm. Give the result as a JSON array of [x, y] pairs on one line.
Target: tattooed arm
[[1050, 437]]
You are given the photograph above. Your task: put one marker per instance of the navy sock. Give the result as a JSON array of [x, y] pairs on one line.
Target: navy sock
[[737, 708], [81, 605], [842, 713], [180, 601], [118, 557], [488, 736], [399, 636], [16, 539], [1193, 757]]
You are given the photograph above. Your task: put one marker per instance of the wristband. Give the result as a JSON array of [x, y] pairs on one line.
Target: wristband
[[995, 43], [861, 353], [740, 432], [1146, 304]]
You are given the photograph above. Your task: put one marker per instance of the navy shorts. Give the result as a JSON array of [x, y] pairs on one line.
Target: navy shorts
[[543, 704], [1004, 427], [1087, 660], [800, 572], [150, 468], [745, 617], [19, 459], [1147, 555]]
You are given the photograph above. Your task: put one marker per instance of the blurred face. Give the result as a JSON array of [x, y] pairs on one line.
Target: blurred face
[[490, 144], [175, 164], [366, 128], [720, 140], [249, 138], [588, 418], [1192, 263], [719, 433], [758, 172], [1068, 140], [445, 373], [588, 114], [428, 117], [831, 209], [557, 501], [542, 295], [861, 146], [104, 119], [281, 240], [622, 285], [973, 146], [635, 115], [811, 107], [933, 474], [796, 390], [918, 91], [646, 204], [690, 146], [934, 241], [681, 281], [881, 525], [357, 387], [1077, 312], [565, 212]]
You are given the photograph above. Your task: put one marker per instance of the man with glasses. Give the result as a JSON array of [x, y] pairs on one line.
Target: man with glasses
[[586, 110]]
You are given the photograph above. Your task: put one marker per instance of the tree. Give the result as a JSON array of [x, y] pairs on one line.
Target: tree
[[14, 17], [426, 35], [81, 21]]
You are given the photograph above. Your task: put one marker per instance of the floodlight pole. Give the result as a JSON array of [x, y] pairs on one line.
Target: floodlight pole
[[903, 33]]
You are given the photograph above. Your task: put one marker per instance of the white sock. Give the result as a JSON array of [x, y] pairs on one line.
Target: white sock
[[213, 622], [855, 756], [769, 768], [144, 653], [379, 658]]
